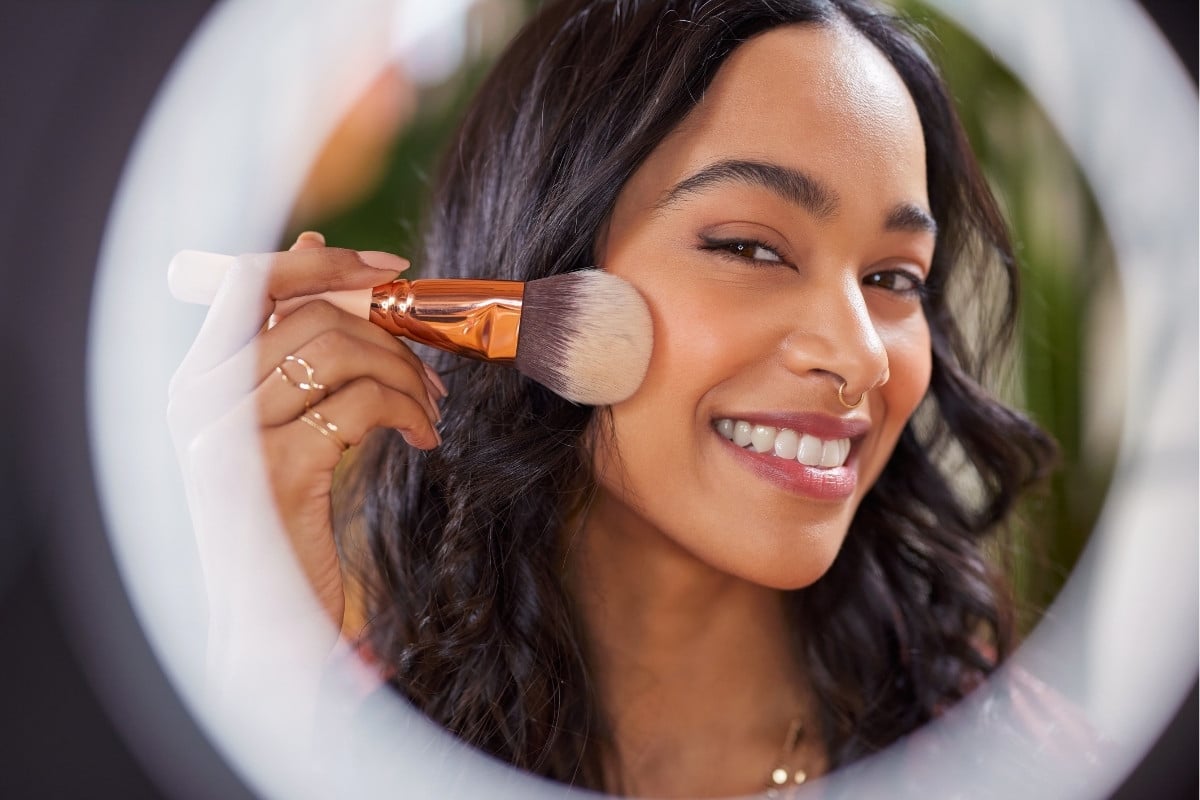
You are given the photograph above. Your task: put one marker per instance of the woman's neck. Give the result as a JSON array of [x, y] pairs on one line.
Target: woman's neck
[[696, 667]]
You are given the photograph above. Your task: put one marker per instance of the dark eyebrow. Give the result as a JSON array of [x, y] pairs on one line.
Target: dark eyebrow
[[790, 184], [909, 218]]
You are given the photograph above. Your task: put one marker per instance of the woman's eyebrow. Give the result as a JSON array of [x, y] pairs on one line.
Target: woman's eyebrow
[[791, 184], [795, 186], [910, 218]]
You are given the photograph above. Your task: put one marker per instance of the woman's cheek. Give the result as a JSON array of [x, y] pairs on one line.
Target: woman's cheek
[[910, 366], [916, 362], [690, 332]]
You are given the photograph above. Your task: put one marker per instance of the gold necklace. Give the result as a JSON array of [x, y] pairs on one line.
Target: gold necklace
[[784, 775]]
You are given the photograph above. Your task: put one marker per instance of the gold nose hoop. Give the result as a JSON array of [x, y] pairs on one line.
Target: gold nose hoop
[[842, 397]]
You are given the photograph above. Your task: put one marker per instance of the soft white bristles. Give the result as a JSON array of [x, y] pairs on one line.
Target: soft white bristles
[[585, 335]]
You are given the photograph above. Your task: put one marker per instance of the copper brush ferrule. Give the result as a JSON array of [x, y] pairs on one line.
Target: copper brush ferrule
[[479, 319]]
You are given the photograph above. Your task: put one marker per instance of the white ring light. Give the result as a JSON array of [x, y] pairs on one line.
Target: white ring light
[[224, 150]]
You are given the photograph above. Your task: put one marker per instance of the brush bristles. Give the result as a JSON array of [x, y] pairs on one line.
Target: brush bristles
[[586, 336]]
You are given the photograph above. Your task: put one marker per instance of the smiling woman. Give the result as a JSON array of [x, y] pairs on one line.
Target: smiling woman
[[811, 294], [761, 566], [771, 179]]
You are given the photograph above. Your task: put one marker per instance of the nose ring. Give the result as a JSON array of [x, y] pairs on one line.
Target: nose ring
[[842, 397]]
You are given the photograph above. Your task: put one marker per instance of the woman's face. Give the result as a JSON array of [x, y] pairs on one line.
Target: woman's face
[[780, 236]]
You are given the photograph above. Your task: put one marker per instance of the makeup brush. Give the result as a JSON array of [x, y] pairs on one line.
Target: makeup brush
[[584, 335]]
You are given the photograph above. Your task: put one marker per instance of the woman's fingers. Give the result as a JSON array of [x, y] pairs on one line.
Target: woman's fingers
[[317, 438], [319, 348], [308, 239], [254, 283], [218, 370], [312, 320], [313, 270], [327, 363]]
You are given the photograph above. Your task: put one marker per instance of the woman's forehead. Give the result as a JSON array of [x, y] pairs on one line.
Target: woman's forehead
[[821, 99]]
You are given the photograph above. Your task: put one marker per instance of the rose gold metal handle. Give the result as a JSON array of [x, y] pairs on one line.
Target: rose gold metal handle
[[475, 318]]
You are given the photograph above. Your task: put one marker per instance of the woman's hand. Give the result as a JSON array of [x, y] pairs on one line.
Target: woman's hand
[[314, 382], [365, 378]]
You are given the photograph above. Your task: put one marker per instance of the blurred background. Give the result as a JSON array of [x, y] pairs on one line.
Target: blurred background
[[76, 82]]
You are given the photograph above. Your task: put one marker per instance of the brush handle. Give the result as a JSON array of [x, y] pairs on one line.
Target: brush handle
[[194, 276], [479, 319]]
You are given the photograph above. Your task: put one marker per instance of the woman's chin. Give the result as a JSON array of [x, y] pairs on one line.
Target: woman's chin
[[796, 565]]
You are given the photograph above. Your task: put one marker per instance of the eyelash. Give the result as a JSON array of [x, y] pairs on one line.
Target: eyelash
[[917, 287], [739, 248]]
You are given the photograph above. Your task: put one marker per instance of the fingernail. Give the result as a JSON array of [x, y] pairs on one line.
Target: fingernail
[[433, 402], [437, 380], [314, 235], [388, 262]]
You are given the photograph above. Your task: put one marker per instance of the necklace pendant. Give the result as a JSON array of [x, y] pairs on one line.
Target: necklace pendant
[[782, 777]]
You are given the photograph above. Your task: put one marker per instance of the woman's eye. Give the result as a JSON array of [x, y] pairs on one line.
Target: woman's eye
[[898, 281], [745, 249]]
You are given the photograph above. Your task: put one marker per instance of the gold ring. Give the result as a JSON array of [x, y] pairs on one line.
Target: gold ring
[[313, 419], [308, 385], [842, 397]]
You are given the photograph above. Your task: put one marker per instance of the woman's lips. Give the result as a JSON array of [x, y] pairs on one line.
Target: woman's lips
[[805, 454]]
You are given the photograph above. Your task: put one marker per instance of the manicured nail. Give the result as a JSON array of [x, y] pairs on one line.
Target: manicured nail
[[433, 402], [388, 262], [437, 380]]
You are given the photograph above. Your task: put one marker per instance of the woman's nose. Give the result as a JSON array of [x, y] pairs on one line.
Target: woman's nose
[[835, 336]]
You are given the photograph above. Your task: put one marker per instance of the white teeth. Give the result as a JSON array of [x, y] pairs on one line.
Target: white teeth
[[831, 454], [786, 443], [763, 438], [742, 433], [810, 451]]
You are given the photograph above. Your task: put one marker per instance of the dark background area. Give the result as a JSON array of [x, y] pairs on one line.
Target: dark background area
[[75, 78]]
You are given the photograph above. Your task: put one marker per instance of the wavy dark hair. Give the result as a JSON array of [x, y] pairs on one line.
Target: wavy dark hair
[[464, 547]]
